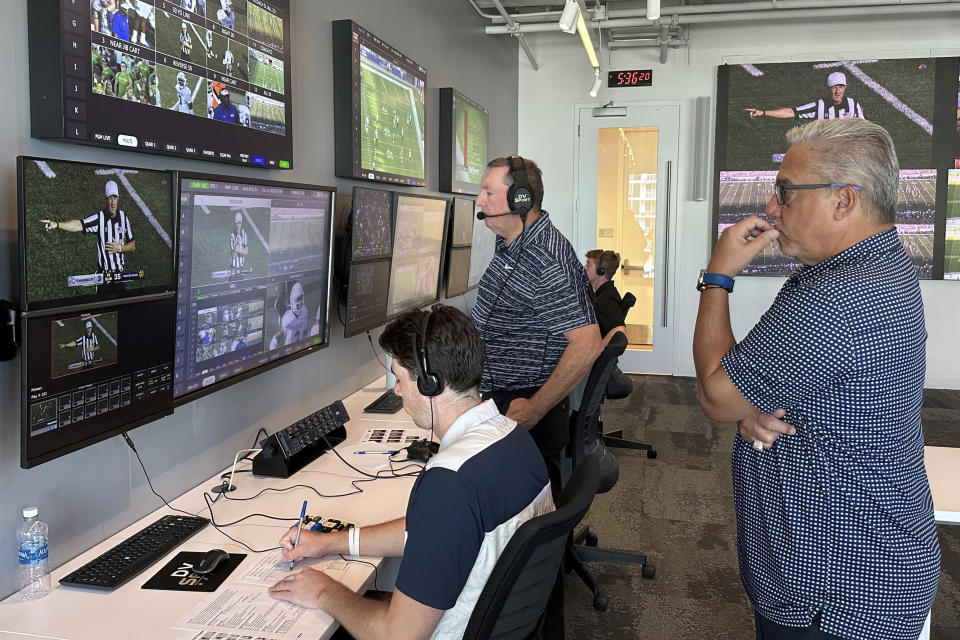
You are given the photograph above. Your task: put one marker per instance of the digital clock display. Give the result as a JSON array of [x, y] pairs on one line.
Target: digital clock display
[[630, 78]]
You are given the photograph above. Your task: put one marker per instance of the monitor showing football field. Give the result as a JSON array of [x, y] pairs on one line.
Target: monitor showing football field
[[202, 79], [254, 278], [464, 134], [90, 232], [951, 253], [418, 242], [379, 109]]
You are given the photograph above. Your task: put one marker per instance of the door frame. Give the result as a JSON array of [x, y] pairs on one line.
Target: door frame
[[679, 187]]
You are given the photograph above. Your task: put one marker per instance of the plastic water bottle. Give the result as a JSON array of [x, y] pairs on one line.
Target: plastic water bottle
[[34, 564]]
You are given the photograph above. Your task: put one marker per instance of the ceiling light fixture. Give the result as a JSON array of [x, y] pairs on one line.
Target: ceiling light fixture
[[653, 9], [587, 41], [595, 87], [569, 17]]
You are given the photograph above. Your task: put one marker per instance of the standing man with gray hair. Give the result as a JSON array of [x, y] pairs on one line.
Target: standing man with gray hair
[[839, 106], [835, 526]]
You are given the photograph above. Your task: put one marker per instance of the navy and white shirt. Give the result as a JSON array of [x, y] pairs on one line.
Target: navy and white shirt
[[532, 292], [487, 479], [820, 110], [838, 519]]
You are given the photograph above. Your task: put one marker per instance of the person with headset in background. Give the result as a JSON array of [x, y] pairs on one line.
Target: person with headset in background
[[486, 480], [533, 309], [600, 267]]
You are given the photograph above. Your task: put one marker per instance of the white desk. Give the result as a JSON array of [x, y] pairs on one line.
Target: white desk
[[71, 613], [943, 473]]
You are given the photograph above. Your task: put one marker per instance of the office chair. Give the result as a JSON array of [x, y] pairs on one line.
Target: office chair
[[587, 443], [512, 603], [620, 386]]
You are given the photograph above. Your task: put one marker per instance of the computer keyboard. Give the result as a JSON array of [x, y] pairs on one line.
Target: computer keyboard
[[290, 449], [116, 566], [388, 402]]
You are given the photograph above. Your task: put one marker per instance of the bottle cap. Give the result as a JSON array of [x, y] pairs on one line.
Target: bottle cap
[[30, 512]]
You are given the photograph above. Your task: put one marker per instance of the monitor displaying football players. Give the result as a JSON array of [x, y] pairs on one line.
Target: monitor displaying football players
[[481, 252], [90, 233], [458, 271], [463, 219], [379, 109], [464, 130], [367, 296], [201, 79], [254, 278], [88, 375], [418, 241], [371, 223]]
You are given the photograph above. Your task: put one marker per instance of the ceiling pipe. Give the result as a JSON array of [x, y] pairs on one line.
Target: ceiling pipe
[[880, 7], [514, 31]]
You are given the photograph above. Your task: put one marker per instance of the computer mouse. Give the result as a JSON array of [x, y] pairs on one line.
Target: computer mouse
[[210, 561]]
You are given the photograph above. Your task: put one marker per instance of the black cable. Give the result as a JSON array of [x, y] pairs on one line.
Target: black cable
[[147, 475], [376, 574], [377, 355]]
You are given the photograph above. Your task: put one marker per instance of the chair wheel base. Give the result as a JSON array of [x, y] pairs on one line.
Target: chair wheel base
[[600, 603], [652, 453], [648, 571]]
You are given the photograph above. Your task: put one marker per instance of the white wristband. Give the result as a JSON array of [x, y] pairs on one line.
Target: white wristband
[[353, 541]]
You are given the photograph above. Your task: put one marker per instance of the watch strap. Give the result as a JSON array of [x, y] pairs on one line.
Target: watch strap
[[716, 279]]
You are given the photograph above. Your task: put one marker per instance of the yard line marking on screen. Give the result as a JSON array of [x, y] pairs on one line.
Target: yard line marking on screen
[[121, 175], [45, 168], [104, 331], [752, 70], [59, 322], [880, 90], [254, 227]]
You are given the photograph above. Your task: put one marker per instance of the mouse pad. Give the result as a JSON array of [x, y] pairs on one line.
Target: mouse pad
[[178, 574]]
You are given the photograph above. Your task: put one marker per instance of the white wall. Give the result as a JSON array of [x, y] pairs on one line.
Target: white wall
[[548, 99], [91, 494]]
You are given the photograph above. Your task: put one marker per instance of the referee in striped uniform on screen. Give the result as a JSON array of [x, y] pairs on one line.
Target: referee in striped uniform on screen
[[238, 243], [112, 228], [88, 343], [839, 105]]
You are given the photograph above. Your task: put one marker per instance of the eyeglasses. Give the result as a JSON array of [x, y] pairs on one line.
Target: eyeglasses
[[781, 189]]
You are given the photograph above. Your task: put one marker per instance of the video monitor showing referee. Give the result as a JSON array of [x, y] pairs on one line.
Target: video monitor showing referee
[[83, 343], [93, 232]]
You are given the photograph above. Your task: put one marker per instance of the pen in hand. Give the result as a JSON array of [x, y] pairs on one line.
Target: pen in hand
[[303, 514]]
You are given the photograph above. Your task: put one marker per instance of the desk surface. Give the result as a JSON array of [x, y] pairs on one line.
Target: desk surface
[[943, 472], [82, 614]]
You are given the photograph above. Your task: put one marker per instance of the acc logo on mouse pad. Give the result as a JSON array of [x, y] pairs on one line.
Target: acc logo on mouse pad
[[178, 574]]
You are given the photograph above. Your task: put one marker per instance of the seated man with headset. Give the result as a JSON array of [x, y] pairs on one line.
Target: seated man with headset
[[484, 482], [600, 267]]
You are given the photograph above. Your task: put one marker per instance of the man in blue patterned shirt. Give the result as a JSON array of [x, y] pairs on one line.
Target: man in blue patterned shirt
[[835, 527]]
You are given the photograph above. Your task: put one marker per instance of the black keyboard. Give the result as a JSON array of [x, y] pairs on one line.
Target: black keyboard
[[116, 566], [389, 402], [309, 431]]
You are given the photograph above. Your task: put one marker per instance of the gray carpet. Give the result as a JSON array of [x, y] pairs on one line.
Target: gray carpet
[[678, 509]]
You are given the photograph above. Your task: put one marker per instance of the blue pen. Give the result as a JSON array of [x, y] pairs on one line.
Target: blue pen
[[367, 453], [303, 513]]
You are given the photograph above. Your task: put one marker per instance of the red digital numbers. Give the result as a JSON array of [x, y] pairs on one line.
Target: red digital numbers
[[632, 78]]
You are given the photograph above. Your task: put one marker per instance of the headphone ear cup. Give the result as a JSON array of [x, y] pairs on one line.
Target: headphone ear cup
[[428, 383], [599, 270]]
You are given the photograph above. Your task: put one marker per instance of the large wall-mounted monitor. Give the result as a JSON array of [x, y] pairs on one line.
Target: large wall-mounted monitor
[[92, 233], [379, 109], [88, 375], [420, 231], [254, 278], [208, 82], [464, 134], [911, 98], [459, 249]]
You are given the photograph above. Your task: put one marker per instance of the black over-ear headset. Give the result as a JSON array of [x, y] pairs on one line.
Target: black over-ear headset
[[598, 263], [519, 195], [429, 383]]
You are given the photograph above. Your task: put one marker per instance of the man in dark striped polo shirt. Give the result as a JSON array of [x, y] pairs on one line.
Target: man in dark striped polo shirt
[[835, 525], [533, 313], [485, 481], [111, 228]]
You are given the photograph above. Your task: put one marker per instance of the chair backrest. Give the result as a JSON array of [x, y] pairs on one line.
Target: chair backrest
[[516, 593], [627, 301], [584, 423]]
